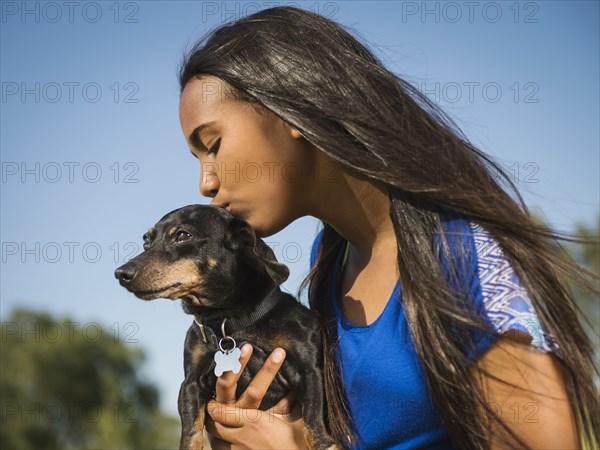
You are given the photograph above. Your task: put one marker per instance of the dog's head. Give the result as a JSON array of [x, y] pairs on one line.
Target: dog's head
[[202, 255]]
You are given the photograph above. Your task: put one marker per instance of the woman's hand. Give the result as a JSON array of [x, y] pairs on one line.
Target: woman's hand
[[239, 424]]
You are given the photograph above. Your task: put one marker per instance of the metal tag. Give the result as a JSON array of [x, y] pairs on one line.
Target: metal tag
[[227, 360]]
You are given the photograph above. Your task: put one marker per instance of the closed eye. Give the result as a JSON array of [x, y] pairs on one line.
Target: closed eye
[[215, 148]]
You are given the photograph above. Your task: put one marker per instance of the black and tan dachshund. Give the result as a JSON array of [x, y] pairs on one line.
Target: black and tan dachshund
[[229, 279]]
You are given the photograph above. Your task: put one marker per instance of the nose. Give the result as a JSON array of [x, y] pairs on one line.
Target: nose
[[209, 180], [125, 273]]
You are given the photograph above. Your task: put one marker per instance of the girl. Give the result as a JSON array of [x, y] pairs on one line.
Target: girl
[[443, 303]]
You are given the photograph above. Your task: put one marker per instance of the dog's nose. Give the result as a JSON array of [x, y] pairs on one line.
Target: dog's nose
[[125, 273]]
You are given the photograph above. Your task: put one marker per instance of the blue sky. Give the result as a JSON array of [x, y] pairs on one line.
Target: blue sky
[[92, 153]]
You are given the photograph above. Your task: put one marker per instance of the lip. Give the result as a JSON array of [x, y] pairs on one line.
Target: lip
[[224, 206], [154, 293]]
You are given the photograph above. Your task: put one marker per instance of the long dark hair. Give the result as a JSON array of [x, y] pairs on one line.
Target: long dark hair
[[317, 77]]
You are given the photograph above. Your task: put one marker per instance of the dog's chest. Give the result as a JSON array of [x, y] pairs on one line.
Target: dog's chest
[[203, 362]]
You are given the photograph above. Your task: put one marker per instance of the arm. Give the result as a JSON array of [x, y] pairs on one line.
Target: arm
[[538, 411], [241, 423]]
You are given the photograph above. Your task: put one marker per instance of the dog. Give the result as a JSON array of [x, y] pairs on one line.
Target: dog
[[229, 279]]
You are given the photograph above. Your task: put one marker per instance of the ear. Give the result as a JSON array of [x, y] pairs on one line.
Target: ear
[[293, 132], [240, 236]]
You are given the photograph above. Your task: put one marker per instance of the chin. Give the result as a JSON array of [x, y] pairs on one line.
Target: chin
[[263, 230], [268, 228], [258, 227]]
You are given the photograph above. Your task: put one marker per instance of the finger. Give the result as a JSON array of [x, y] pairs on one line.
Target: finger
[[227, 382], [211, 430], [221, 437], [214, 438], [216, 443], [257, 388], [285, 405], [228, 416]]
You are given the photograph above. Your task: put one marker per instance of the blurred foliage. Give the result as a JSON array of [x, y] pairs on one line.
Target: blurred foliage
[[588, 254], [66, 386]]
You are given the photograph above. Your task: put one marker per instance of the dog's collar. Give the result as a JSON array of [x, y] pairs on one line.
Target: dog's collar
[[229, 326]]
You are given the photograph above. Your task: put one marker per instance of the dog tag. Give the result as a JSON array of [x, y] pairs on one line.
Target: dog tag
[[227, 360]]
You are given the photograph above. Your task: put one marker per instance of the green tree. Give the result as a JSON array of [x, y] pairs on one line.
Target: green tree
[[588, 254], [66, 386]]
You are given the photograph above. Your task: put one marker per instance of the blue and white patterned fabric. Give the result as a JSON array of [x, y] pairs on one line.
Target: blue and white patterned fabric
[[506, 302], [383, 377]]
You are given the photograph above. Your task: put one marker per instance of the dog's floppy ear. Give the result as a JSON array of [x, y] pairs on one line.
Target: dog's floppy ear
[[240, 236]]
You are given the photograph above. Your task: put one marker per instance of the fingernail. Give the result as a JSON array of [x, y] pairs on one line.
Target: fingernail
[[246, 349], [278, 355], [213, 409]]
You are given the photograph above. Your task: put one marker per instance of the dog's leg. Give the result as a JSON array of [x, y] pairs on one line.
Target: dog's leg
[[197, 441], [191, 411]]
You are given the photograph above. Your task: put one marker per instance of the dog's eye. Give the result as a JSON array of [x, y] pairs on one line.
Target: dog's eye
[[182, 236]]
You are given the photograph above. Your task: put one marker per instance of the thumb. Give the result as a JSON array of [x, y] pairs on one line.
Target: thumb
[[225, 414], [288, 406]]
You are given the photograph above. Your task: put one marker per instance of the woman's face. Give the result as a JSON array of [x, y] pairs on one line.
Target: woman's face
[[250, 160]]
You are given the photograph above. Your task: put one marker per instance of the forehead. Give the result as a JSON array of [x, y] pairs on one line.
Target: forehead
[[200, 217], [201, 96]]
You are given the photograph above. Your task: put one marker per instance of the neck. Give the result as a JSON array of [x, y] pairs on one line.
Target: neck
[[358, 208], [242, 300], [237, 322]]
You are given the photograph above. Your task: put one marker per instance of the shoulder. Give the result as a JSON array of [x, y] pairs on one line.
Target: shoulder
[[495, 286], [519, 382], [506, 302], [520, 369], [496, 289]]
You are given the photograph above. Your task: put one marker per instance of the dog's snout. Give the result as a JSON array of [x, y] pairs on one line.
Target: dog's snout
[[125, 273]]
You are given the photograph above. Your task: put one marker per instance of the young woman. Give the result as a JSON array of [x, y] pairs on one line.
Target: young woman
[[446, 319]]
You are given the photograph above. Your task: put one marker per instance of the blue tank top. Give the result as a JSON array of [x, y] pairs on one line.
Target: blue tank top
[[383, 377]]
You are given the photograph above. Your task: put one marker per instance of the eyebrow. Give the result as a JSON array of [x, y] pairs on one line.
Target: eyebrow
[[194, 137]]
